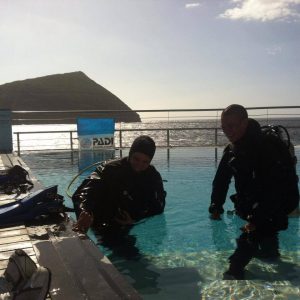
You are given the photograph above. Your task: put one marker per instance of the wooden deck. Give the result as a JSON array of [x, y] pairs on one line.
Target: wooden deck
[[78, 269]]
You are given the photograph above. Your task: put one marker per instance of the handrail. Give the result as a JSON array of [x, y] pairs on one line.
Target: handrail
[[172, 120], [148, 110], [119, 131], [214, 141], [124, 129]]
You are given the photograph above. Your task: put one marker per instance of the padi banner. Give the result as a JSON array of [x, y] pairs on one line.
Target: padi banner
[[95, 133]]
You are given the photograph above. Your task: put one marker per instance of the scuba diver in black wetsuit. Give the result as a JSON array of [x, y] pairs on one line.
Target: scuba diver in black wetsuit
[[121, 192], [266, 187]]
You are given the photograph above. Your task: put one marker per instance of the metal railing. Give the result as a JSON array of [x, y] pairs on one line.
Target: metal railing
[[164, 126], [71, 143]]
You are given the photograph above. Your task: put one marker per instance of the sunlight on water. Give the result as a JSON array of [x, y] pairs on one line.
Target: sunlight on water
[[182, 254], [264, 280]]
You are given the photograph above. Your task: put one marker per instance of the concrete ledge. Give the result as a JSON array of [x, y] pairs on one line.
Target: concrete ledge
[[81, 271]]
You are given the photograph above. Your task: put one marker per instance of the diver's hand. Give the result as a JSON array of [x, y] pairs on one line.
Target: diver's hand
[[215, 216], [124, 218], [249, 227], [84, 222]]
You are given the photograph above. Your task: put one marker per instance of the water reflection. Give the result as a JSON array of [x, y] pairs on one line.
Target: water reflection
[[122, 249]]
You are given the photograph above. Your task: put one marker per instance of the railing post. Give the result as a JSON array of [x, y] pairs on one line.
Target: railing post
[[216, 137], [18, 143], [120, 139], [216, 144], [168, 138], [71, 140], [168, 145]]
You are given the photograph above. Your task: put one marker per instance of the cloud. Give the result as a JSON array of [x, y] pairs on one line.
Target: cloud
[[263, 10], [275, 50], [192, 5]]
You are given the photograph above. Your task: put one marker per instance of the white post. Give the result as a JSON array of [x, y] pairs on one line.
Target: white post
[[6, 144]]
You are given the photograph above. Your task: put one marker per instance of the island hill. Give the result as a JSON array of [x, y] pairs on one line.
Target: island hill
[[62, 92]]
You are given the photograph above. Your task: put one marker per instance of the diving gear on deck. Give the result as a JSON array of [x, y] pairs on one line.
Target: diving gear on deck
[[39, 203], [24, 279], [15, 180]]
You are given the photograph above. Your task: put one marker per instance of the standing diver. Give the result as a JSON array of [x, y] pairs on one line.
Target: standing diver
[[266, 187]]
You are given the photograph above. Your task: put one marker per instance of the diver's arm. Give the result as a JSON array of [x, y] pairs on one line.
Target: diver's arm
[[220, 187], [157, 203], [124, 218], [84, 203], [86, 195]]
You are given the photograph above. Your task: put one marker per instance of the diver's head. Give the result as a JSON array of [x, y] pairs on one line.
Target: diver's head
[[141, 153], [234, 121]]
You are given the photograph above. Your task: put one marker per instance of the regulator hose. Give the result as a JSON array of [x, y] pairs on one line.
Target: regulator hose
[[77, 175]]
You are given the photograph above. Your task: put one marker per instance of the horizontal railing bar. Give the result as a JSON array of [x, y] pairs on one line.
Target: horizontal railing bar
[[181, 128], [52, 131], [138, 129], [43, 119], [126, 147], [148, 110], [163, 129], [113, 111], [161, 117]]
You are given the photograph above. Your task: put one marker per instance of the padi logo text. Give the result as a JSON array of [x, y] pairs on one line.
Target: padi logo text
[[108, 141]]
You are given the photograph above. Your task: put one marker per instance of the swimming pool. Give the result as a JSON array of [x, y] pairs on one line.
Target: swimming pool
[[182, 254]]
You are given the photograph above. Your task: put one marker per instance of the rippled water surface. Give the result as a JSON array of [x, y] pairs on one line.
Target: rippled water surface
[[182, 254]]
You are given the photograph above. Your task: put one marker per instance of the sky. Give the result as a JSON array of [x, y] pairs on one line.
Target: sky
[[160, 54]]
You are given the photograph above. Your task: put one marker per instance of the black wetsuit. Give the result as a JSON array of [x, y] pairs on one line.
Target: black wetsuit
[[114, 186], [265, 182]]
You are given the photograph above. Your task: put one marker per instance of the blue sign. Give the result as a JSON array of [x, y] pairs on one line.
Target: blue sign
[[95, 133], [95, 126]]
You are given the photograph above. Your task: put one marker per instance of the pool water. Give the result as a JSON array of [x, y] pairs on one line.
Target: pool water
[[182, 253]]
